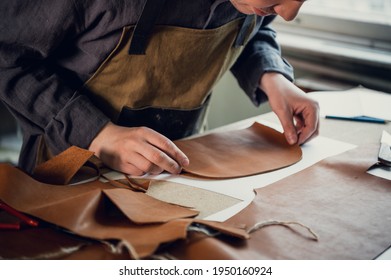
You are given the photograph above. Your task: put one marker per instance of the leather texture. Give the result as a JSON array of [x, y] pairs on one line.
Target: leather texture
[[62, 168], [100, 210], [346, 207], [238, 153]]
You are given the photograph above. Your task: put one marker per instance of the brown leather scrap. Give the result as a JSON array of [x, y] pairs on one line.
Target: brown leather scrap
[[256, 149], [62, 168], [143, 209], [102, 211]]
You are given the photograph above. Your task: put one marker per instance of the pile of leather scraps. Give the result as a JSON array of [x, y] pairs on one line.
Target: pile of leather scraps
[[123, 212], [98, 210]]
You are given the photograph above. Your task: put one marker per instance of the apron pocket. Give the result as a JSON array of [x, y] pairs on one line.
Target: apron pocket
[[172, 123]]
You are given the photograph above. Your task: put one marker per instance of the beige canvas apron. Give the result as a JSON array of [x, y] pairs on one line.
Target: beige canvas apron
[[166, 88]]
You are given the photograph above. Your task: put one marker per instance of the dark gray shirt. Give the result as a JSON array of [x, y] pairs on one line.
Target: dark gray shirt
[[49, 48]]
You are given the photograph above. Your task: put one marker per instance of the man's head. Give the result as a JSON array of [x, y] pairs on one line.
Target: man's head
[[287, 9]]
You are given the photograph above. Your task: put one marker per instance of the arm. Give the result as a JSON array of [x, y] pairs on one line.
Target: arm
[[31, 86], [265, 75], [46, 103], [298, 114]]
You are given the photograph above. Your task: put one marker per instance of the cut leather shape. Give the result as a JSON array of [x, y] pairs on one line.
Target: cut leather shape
[[87, 209], [238, 153], [141, 208], [62, 168], [204, 201]]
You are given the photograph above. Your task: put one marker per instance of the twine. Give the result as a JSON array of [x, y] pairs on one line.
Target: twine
[[261, 225], [162, 257], [61, 253], [118, 248]]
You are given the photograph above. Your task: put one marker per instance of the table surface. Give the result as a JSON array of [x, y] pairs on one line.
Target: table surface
[[353, 132], [356, 214], [358, 133]]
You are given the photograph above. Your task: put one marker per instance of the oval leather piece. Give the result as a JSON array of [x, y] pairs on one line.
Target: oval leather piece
[[253, 150]]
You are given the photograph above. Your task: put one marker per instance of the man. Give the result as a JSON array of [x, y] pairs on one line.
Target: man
[[124, 78]]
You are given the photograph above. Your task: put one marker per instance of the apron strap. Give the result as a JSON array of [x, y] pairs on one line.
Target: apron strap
[[144, 26], [244, 31]]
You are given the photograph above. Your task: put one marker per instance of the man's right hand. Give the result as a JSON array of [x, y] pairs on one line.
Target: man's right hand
[[137, 150]]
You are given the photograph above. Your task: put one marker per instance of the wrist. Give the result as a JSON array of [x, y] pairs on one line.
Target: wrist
[[97, 142], [270, 80], [274, 82]]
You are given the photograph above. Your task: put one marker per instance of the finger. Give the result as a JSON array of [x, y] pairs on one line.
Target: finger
[[305, 137], [311, 127], [153, 150], [299, 124], [142, 163], [129, 169], [160, 159], [115, 161], [165, 145], [288, 126]]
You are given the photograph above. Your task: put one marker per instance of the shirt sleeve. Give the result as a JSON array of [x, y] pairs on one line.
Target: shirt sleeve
[[261, 54], [31, 85]]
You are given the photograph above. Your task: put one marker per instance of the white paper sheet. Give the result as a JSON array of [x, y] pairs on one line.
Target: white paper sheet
[[354, 102], [381, 170], [386, 138]]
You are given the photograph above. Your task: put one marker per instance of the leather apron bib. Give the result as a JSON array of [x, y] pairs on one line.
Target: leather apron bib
[[166, 84]]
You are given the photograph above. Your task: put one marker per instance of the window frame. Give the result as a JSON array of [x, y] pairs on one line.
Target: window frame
[[332, 45]]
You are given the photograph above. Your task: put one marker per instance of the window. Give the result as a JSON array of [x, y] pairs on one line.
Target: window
[[344, 39], [376, 11], [362, 18]]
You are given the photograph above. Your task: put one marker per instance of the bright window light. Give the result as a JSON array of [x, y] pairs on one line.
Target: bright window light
[[376, 11]]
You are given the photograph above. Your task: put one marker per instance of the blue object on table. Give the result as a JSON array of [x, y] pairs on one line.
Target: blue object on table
[[357, 118]]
